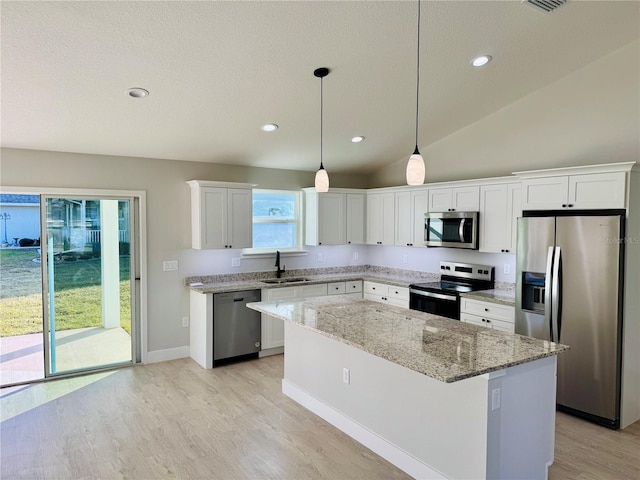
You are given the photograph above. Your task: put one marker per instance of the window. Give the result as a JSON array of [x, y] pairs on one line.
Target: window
[[277, 222]]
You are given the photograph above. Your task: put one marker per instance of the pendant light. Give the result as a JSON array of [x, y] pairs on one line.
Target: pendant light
[[415, 165], [322, 178]]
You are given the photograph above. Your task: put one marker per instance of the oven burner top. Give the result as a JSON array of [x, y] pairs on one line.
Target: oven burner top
[[451, 287]]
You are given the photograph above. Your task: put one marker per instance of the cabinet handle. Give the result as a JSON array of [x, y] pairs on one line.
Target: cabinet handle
[[486, 309], [319, 243], [502, 250], [506, 250], [570, 205], [488, 321], [349, 242], [564, 205]]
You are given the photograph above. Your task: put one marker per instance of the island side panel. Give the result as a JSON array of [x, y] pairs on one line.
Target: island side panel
[[437, 423], [201, 328]]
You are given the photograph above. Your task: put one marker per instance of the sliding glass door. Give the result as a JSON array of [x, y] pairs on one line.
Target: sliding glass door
[[88, 276]]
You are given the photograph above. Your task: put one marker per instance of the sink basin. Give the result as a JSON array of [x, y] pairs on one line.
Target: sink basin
[[284, 280]]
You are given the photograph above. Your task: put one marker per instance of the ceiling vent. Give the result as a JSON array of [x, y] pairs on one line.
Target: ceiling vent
[[546, 6]]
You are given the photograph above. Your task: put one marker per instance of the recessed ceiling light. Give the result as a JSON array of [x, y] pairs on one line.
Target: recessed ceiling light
[[357, 139], [270, 127], [481, 60], [138, 92]]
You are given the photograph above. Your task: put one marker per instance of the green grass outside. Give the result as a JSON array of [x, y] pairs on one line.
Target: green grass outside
[[77, 293]]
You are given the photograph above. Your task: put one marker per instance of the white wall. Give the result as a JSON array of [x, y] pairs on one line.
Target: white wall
[[428, 259], [591, 116]]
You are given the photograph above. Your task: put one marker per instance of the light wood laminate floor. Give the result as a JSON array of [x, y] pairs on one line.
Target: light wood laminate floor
[[177, 420]]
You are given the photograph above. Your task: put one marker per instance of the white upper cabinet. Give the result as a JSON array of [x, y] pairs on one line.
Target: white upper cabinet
[[409, 217], [355, 218], [578, 192], [333, 218], [458, 199], [500, 206], [381, 218], [221, 215]]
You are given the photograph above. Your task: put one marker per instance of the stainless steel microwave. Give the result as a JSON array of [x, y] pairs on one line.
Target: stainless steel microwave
[[451, 229]]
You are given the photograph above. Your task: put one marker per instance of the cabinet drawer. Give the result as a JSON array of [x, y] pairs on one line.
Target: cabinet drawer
[[490, 310], [400, 293], [473, 319], [353, 287], [398, 302], [336, 288], [281, 293], [373, 297], [376, 288]]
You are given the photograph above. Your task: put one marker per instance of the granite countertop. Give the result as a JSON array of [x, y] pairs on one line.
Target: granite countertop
[[444, 349], [501, 296], [398, 278]]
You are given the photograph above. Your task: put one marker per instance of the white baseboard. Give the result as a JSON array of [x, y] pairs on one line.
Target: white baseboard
[[168, 354], [271, 351], [401, 459]]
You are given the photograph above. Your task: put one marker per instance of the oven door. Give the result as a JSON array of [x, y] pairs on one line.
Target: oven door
[[443, 304], [451, 229]]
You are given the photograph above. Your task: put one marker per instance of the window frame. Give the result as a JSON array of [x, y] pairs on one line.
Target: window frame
[[299, 222]]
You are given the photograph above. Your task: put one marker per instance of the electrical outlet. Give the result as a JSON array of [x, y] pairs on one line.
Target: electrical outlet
[[346, 376], [507, 269], [185, 321], [495, 399], [170, 265], [355, 255], [405, 259], [235, 262], [320, 258]]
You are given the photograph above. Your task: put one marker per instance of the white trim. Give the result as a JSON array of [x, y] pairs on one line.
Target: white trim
[[167, 354], [210, 183], [142, 245], [580, 170], [394, 455]]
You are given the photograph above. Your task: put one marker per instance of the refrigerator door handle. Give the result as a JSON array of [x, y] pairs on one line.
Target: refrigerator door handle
[[547, 293], [555, 294]]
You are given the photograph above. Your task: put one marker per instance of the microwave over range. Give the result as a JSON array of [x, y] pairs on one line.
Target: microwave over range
[[451, 229]]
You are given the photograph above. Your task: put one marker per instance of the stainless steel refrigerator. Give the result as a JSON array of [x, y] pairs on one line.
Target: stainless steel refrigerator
[[569, 288]]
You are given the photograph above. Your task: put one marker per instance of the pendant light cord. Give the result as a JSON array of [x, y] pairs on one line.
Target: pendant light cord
[[418, 77], [321, 120]]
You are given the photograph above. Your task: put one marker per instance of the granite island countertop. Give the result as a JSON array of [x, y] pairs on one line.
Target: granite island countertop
[[441, 348]]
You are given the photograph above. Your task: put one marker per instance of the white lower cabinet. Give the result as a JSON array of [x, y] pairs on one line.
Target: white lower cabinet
[[389, 294], [487, 314]]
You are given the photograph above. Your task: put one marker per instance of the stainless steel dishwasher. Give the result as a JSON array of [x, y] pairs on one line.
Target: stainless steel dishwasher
[[236, 328]]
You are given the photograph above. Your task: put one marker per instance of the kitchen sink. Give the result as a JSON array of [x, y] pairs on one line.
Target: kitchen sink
[[285, 280]]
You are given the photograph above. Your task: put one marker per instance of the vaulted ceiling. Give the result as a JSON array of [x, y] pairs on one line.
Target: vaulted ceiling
[[217, 71]]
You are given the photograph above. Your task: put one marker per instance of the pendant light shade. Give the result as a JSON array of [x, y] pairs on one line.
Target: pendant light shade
[[322, 180], [322, 177], [415, 165], [415, 169]]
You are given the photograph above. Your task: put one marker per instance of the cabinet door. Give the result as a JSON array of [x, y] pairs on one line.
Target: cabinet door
[[404, 222], [597, 190], [465, 199], [240, 218], [419, 204], [493, 218], [273, 328], [213, 217], [514, 210], [440, 200], [355, 218], [374, 219], [548, 193], [318, 290], [388, 218], [332, 221]]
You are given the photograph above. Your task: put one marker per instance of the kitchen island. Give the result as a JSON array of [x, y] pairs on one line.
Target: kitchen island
[[436, 397]]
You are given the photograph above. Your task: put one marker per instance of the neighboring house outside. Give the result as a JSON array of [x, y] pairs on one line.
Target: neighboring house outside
[[23, 220]]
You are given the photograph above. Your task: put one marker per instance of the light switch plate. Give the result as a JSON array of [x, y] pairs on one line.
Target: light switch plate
[[170, 265], [495, 399], [507, 269], [346, 376], [320, 258], [235, 262]]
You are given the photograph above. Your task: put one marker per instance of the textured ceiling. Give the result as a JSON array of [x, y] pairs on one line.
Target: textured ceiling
[[217, 71]]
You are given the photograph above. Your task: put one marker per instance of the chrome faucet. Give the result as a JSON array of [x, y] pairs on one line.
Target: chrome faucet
[[279, 270]]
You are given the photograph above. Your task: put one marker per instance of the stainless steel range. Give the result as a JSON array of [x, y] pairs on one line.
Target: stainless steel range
[[443, 297]]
